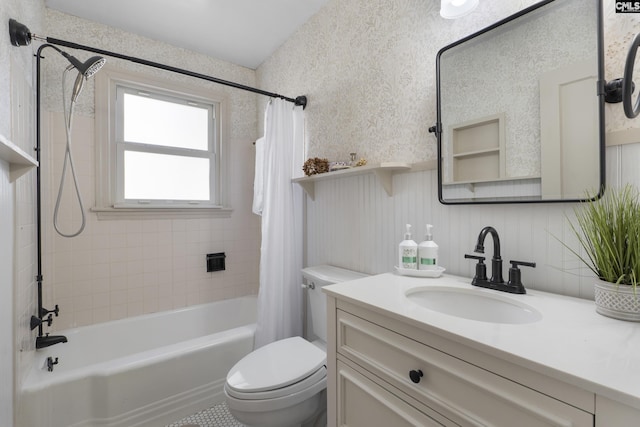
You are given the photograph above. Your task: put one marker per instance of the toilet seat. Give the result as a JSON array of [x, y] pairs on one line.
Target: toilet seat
[[278, 369]]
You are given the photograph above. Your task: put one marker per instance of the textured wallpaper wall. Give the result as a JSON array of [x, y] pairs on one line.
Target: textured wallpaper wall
[[368, 68]]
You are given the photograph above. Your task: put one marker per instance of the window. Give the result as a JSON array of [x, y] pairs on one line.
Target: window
[[160, 145]]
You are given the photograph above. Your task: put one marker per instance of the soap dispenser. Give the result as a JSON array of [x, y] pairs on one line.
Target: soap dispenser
[[408, 252], [428, 251]]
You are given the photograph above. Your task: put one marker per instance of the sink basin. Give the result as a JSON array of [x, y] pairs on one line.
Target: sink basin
[[474, 305]]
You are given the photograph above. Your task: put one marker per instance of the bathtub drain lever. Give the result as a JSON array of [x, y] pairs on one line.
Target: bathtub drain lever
[[51, 363]]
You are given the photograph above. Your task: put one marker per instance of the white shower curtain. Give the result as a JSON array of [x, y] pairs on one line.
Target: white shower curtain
[[280, 294]]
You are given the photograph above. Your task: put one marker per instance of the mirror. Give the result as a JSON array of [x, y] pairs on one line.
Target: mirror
[[521, 108]]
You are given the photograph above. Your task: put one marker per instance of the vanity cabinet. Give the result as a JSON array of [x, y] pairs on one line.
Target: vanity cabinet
[[383, 371]]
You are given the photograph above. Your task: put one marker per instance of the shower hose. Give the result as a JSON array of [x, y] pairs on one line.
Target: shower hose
[[68, 160]]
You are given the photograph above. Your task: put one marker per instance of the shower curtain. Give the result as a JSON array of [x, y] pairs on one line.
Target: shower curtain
[[280, 295]]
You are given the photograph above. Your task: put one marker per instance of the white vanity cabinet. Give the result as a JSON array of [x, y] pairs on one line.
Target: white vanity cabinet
[[371, 355]]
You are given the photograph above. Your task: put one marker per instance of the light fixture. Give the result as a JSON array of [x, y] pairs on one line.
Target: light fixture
[[452, 9]]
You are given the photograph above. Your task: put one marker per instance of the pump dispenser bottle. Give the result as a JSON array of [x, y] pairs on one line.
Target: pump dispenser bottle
[[408, 256], [428, 252]]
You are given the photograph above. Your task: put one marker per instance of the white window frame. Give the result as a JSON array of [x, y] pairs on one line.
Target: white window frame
[[110, 147]]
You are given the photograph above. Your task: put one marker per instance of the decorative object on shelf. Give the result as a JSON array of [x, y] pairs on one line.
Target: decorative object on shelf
[[315, 166], [361, 162], [608, 229], [336, 166]]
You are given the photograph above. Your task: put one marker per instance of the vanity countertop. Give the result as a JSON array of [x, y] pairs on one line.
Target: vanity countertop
[[571, 342]]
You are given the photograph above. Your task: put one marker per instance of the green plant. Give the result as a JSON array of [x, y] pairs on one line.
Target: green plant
[[608, 229]]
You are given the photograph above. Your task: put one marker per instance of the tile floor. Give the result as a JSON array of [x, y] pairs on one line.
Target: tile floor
[[216, 416]]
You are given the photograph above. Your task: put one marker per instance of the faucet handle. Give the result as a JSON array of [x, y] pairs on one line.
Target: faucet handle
[[515, 264], [515, 276], [44, 311], [481, 268]]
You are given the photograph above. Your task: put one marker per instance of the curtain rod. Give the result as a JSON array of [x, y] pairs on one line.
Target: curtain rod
[[300, 100]]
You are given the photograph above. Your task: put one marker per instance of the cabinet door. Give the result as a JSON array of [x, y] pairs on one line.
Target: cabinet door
[[458, 390], [363, 403]]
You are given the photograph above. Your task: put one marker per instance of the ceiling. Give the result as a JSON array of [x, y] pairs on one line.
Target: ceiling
[[244, 32]]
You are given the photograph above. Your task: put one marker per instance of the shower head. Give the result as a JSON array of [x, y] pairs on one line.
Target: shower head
[[95, 63], [85, 70]]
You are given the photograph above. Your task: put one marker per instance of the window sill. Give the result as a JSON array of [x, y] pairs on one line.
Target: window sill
[[160, 213]]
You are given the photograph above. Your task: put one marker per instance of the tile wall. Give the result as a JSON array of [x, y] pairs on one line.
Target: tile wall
[[124, 268]]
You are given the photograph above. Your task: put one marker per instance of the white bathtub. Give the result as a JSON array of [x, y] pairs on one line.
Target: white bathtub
[[144, 371]]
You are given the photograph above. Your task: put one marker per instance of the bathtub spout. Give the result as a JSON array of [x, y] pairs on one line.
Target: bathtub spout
[[48, 340]]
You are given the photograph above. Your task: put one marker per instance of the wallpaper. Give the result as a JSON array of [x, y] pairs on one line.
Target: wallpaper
[[368, 69]]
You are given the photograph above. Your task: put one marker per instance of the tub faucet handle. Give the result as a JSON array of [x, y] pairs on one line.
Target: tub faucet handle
[[36, 321], [44, 311]]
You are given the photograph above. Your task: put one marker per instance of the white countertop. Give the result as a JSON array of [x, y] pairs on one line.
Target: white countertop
[[571, 342]]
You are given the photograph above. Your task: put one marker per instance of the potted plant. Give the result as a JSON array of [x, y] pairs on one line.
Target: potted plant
[[608, 229]]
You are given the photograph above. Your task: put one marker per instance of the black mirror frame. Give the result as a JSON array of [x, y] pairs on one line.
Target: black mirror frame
[[437, 129]]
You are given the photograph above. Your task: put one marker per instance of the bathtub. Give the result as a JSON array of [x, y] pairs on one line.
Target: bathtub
[[143, 371]]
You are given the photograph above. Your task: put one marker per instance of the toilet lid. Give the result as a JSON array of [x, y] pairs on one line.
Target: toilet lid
[[276, 365]]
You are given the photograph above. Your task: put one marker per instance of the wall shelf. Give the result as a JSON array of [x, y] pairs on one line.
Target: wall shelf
[[384, 172], [19, 161]]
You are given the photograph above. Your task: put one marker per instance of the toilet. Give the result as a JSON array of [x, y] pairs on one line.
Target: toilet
[[283, 384]]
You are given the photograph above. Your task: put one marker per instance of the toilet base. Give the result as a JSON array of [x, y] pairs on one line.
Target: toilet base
[[308, 413]]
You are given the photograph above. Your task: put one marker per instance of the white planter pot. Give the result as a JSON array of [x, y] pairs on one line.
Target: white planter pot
[[617, 301]]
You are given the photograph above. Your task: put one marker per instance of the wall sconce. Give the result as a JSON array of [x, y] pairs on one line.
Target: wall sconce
[[620, 90], [452, 9]]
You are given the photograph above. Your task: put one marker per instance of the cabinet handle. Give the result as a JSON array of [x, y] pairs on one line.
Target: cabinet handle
[[415, 375]]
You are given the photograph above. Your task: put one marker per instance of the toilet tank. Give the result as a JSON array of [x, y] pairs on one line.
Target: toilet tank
[[315, 278]]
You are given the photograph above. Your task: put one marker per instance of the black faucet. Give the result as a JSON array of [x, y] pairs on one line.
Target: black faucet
[[496, 281], [49, 340], [496, 261]]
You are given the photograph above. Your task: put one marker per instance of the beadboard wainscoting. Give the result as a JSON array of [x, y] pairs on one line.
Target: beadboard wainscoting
[[6, 293], [354, 224]]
